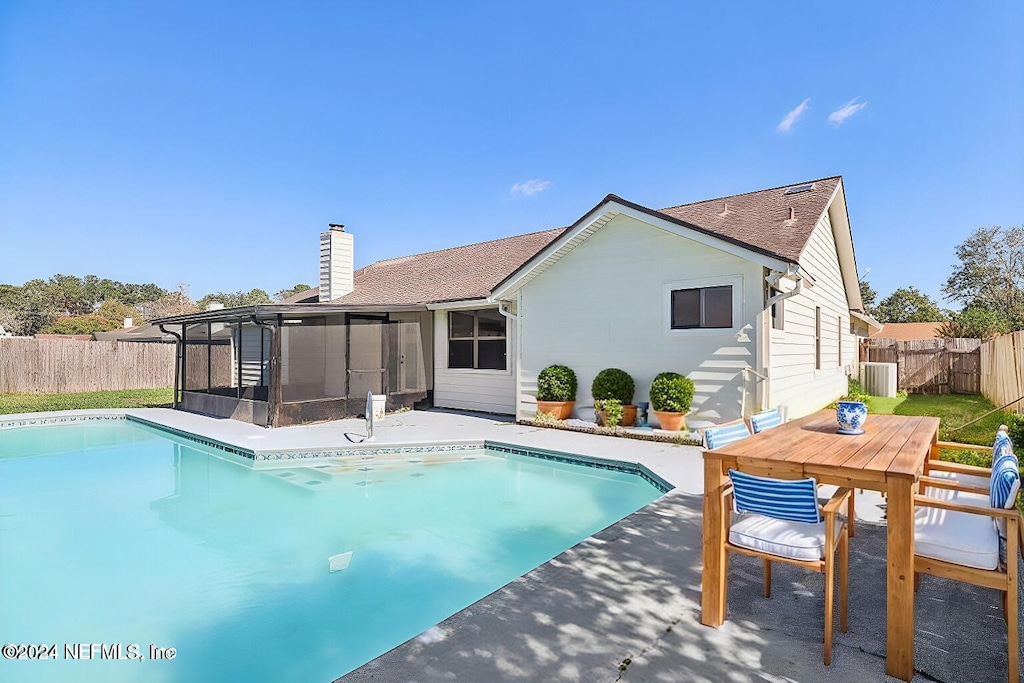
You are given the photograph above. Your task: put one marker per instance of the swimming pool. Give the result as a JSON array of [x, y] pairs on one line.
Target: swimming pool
[[114, 533]]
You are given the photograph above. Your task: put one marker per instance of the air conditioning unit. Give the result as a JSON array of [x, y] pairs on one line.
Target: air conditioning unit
[[879, 379]]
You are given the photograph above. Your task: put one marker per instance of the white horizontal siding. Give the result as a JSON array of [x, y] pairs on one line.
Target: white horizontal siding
[[795, 381], [603, 305], [491, 391]]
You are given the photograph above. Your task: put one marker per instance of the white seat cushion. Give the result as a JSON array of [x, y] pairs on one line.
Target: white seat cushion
[[796, 540], [977, 500], [965, 479], [958, 537]]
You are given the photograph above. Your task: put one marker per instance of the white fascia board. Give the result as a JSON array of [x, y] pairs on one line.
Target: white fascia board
[[461, 305], [508, 289], [604, 213], [865, 318], [842, 234]]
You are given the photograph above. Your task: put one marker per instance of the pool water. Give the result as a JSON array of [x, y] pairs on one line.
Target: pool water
[[116, 533]]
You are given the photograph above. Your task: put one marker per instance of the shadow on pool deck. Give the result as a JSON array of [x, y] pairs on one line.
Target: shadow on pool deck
[[632, 594]]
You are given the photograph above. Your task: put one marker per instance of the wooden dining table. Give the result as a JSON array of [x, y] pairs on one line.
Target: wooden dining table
[[889, 457]]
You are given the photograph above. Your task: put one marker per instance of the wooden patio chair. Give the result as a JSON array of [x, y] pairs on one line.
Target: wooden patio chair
[[766, 419], [782, 522], [973, 481], [974, 533], [727, 433]]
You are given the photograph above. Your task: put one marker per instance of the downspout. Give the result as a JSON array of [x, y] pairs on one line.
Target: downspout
[[508, 314], [515, 319], [177, 362]]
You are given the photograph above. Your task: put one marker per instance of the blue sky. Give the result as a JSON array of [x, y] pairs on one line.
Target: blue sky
[[210, 143]]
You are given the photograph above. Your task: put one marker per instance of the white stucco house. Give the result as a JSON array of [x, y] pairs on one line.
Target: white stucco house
[[753, 296]]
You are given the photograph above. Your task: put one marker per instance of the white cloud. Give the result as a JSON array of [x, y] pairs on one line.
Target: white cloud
[[837, 117], [792, 117], [530, 187]]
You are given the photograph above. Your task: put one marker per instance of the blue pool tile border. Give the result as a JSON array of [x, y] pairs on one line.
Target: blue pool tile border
[[355, 453], [56, 420], [587, 460], [189, 436]]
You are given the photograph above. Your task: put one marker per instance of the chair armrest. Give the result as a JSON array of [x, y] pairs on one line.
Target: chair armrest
[[926, 501], [964, 447], [959, 468], [952, 485], [838, 499]]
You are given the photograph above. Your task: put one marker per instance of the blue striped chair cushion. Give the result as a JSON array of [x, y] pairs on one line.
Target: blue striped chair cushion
[[720, 436], [1002, 440], [1005, 482], [766, 420], [795, 500]]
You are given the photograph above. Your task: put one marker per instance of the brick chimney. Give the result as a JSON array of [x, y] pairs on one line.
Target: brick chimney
[[336, 263]]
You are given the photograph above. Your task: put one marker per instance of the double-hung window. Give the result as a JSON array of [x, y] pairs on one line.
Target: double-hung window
[[702, 307], [477, 340]]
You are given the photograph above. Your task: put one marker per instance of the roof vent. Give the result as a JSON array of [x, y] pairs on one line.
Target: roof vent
[[792, 214], [796, 189]]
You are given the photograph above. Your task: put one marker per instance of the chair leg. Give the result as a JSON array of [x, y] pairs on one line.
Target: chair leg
[[830, 579], [851, 515], [844, 581], [1012, 613], [1020, 531], [767, 578]]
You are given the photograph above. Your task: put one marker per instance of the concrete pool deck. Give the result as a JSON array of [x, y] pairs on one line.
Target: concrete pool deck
[[624, 604]]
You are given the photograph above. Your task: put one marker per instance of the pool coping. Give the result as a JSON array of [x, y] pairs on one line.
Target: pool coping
[[306, 455]]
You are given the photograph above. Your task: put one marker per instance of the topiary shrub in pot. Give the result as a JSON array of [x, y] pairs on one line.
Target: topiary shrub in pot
[[556, 391], [612, 383], [671, 398]]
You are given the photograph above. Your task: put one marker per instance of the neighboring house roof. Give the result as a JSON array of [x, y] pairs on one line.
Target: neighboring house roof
[[73, 337], [145, 332], [456, 274], [907, 331]]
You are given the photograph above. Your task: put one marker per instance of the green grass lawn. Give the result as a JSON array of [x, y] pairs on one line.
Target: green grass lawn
[[953, 411], [36, 403]]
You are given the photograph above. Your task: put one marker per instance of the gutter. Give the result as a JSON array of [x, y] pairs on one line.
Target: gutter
[[796, 272]]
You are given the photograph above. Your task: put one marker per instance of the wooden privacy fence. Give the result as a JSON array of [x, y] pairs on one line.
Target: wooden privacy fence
[[1002, 369], [69, 366], [929, 366]]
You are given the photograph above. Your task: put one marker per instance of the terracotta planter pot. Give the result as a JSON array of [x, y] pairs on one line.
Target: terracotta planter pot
[[628, 416], [671, 422], [560, 410]]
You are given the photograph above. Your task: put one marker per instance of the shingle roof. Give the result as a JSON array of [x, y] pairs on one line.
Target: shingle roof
[[908, 331], [468, 272], [758, 220], [761, 219]]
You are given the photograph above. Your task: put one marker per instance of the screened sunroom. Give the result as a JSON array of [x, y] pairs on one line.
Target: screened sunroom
[[285, 364]]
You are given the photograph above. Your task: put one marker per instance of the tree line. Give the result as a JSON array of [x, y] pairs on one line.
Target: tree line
[[67, 304], [987, 283]]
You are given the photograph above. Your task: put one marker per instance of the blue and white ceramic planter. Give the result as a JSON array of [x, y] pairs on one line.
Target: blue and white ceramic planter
[[851, 416]]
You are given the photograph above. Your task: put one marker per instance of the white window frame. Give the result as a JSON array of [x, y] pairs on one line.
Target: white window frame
[[476, 338], [738, 317]]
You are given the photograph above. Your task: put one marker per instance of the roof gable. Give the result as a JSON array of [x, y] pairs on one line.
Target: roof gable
[[769, 227]]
